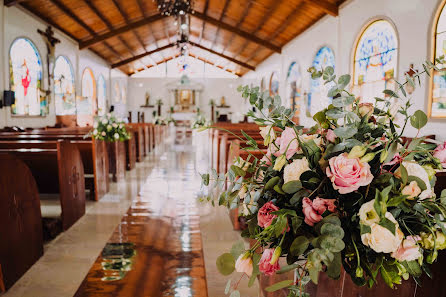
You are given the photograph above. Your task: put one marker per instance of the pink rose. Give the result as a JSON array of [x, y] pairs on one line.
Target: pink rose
[[313, 210], [288, 143], [347, 175], [440, 153], [408, 250], [396, 159], [265, 216], [265, 265], [331, 136]]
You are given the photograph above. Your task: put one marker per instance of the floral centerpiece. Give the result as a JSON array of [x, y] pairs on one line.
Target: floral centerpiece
[[200, 121], [348, 192], [109, 128]]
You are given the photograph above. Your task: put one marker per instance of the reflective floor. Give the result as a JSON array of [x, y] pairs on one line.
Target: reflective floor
[[159, 235]]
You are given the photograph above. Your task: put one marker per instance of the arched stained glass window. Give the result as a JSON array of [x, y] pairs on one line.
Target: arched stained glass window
[[102, 96], [64, 90], [375, 64], [86, 104], [317, 98], [294, 80], [25, 73], [274, 84], [116, 92], [437, 102]]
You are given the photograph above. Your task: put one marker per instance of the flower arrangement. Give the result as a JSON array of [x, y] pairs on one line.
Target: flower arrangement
[[109, 128], [348, 192], [200, 121]]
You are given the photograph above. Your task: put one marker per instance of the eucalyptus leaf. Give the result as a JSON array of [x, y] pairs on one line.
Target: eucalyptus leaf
[[292, 187], [418, 120], [280, 285], [345, 132], [299, 245], [226, 264]]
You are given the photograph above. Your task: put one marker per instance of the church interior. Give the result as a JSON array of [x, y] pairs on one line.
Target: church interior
[[222, 147]]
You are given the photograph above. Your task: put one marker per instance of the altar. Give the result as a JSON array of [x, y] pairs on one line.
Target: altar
[[184, 96]]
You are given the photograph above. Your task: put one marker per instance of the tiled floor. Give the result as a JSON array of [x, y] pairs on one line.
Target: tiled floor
[[68, 258]]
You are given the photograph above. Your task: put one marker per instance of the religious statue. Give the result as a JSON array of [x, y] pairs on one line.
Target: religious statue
[[222, 101], [50, 41], [147, 98]]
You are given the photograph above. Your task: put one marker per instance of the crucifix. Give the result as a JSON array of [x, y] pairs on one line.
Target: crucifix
[[50, 41]]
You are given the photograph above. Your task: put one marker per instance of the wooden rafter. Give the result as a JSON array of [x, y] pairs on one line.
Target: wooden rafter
[[205, 11], [324, 5], [289, 18], [121, 30], [164, 60], [13, 2], [137, 57], [213, 64], [223, 13], [143, 12], [242, 19], [245, 65], [237, 31], [70, 13], [265, 18]]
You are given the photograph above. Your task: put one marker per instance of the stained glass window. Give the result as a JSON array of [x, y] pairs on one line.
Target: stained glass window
[[438, 100], [102, 96], [64, 87], [116, 92], [317, 97], [294, 80], [86, 104], [274, 84], [376, 57], [25, 70]]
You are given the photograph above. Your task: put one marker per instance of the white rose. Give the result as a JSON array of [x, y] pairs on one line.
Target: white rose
[[116, 136], [109, 127], [294, 170], [104, 121], [115, 125], [103, 133], [367, 214], [381, 240], [95, 132], [95, 125], [417, 170], [268, 134]]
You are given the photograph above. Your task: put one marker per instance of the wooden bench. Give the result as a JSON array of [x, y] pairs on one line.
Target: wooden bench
[[94, 156], [58, 171], [139, 140], [21, 243]]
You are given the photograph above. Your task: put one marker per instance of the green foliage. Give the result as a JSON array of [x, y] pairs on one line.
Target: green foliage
[[226, 264]]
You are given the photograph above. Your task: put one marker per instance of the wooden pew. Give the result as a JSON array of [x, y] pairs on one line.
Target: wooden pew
[[58, 171], [94, 156], [116, 155], [21, 243], [139, 140], [130, 151]]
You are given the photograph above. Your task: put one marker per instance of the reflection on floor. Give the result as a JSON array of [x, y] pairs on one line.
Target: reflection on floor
[[168, 180]]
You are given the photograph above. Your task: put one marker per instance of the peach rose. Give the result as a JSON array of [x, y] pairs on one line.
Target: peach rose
[[347, 175], [408, 250], [313, 210], [244, 264], [265, 265], [440, 153], [265, 216], [412, 190]]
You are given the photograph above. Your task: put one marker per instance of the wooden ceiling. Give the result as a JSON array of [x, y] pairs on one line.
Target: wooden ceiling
[[234, 35]]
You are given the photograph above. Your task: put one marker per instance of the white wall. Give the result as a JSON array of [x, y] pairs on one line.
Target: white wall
[[413, 20], [214, 88], [15, 23]]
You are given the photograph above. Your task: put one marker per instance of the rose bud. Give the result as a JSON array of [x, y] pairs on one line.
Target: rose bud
[[366, 109]]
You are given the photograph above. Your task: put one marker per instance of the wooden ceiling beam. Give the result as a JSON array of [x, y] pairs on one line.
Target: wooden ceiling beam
[[213, 64], [325, 6], [137, 57], [223, 13], [121, 30], [10, 3], [205, 11], [236, 30], [245, 65]]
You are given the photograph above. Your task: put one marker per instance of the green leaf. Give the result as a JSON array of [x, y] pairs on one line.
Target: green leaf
[[297, 197], [332, 244], [226, 264], [345, 132], [344, 80], [319, 117], [280, 285], [237, 249], [334, 267], [278, 189], [287, 268], [255, 270], [335, 113], [299, 245], [280, 225], [418, 120], [238, 171], [404, 174], [272, 182], [343, 101], [228, 286], [296, 222], [388, 224], [292, 187], [419, 181], [395, 201], [332, 230], [390, 93], [205, 179], [364, 229], [235, 294], [413, 268]]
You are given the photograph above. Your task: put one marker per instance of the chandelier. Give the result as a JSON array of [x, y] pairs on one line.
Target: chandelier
[[174, 8]]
